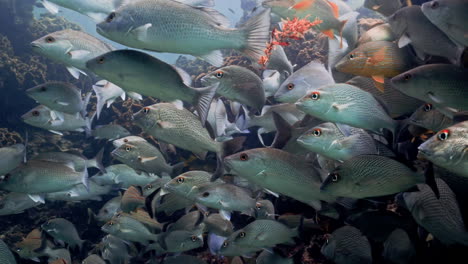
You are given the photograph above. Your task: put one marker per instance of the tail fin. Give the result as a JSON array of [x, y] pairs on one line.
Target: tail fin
[[257, 34], [96, 162], [85, 177], [100, 96], [85, 104], [203, 101], [89, 121], [342, 24], [229, 147]]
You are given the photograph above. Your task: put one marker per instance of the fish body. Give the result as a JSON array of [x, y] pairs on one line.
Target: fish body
[[265, 120], [271, 82], [143, 217], [109, 209], [190, 222], [93, 259], [110, 132], [130, 139], [266, 257], [338, 142], [347, 104], [37, 177], [27, 248], [448, 149], [227, 197], [384, 7], [188, 184], [370, 176], [124, 176], [115, 250], [132, 199], [310, 77], [381, 32], [97, 10], [264, 210], [217, 224], [279, 62], [398, 247], [170, 26], [129, 229], [178, 241], [64, 230], [5, 254], [79, 192], [428, 117], [79, 162], [239, 84], [42, 117], [347, 245], [16, 203], [60, 96], [11, 157]]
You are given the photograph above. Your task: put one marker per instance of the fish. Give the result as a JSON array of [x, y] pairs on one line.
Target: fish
[[188, 184], [181, 128], [347, 104], [370, 176], [169, 204], [60, 96], [43, 117], [5, 254], [110, 132], [382, 32], [153, 186], [219, 121], [93, 259], [228, 249], [30, 246], [97, 10], [143, 156], [271, 82], [264, 210], [124, 176], [442, 85], [238, 84], [57, 256], [37, 177], [308, 78], [448, 149], [107, 92], [263, 234], [78, 161], [79, 192], [395, 102], [279, 62], [338, 142], [108, 210], [384, 7], [189, 222], [132, 199], [177, 241], [347, 245], [143, 217], [115, 250], [450, 17], [139, 75], [376, 59], [279, 172], [217, 224], [204, 30], [226, 198], [129, 229], [64, 230], [16, 203], [130, 139], [11, 157], [181, 259], [266, 257], [428, 117], [398, 247], [412, 27], [441, 217], [72, 48]]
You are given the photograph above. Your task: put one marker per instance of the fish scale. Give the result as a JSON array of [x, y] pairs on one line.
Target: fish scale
[[6, 257], [348, 245], [263, 233], [441, 217]]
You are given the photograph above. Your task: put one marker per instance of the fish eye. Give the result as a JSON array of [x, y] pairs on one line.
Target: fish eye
[[327, 241], [125, 140], [18, 249], [128, 148], [317, 132], [110, 17], [43, 89], [146, 110], [6, 177], [219, 74], [101, 60], [225, 244], [149, 186], [290, 86], [194, 238], [111, 223], [407, 77], [49, 39], [334, 177], [427, 107], [443, 135], [351, 56], [242, 234], [180, 180], [258, 206], [206, 194], [244, 157], [434, 4], [35, 113], [315, 96]]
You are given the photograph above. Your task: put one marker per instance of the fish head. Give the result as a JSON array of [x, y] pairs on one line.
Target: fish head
[[426, 116], [354, 62], [329, 247], [320, 138], [49, 225], [292, 89], [412, 83], [264, 209], [271, 83], [440, 11], [247, 163], [127, 152], [39, 115], [338, 184], [448, 147], [182, 184], [109, 66], [147, 117], [111, 227], [117, 25], [398, 22], [56, 45], [316, 103], [43, 92]]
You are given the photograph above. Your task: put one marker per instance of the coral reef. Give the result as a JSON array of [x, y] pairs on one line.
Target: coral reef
[[8, 137]]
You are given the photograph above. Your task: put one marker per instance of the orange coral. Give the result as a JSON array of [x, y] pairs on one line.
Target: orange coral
[[292, 29]]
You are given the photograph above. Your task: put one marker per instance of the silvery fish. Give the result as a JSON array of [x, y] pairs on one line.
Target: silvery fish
[[347, 104], [441, 217], [338, 142], [398, 247], [370, 176], [271, 82], [450, 17], [428, 117], [79, 161], [177, 241], [109, 209], [238, 84], [266, 257], [143, 217], [64, 230], [38, 176], [188, 183], [218, 120], [181, 128], [129, 229], [60, 96], [110, 132], [442, 85], [43, 117], [115, 250], [72, 48], [396, 102], [279, 62], [171, 26], [97, 10], [378, 33], [132, 199], [29, 246], [107, 92], [11, 157], [124, 176], [448, 149], [153, 186], [217, 224], [264, 209], [79, 192], [130, 139], [307, 78], [5, 254], [16, 203], [150, 76], [93, 259], [190, 222], [347, 245], [412, 27], [384, 7], [280, 172]]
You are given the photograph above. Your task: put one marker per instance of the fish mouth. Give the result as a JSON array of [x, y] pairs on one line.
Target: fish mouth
[[35, 45], [423, 154]]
